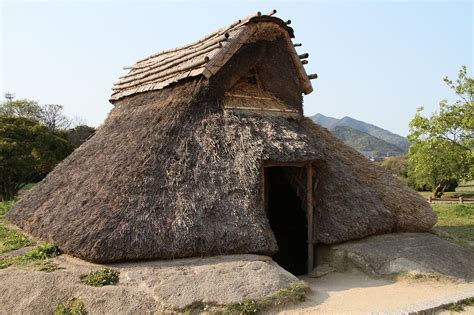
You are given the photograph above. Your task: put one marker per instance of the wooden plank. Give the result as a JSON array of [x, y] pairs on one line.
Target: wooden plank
[[172, 62], [309, 214], [262, 109], [197, 63], [278, 163], [249, 96]]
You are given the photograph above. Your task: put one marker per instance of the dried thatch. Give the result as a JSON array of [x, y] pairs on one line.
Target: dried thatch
[[177, 172], [205, 57]]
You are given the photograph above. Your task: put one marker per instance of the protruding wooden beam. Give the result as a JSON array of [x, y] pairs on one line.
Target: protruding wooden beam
[[288, 22], [303, 56], [297, 45], [305, 62], [273, 12], [313, 76]]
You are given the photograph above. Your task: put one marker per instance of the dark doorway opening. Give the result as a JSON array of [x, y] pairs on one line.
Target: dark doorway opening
[[287, 218]]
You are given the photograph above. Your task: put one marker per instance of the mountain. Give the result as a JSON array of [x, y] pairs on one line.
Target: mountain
[[365, 143], [370, 140]]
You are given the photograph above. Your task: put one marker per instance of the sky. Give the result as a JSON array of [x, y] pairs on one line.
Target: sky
[[377, 61]]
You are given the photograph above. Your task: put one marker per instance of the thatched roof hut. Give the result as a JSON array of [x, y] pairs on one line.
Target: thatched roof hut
[[207, 152]]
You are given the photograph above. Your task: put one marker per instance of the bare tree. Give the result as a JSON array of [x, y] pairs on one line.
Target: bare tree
[[52, 116]]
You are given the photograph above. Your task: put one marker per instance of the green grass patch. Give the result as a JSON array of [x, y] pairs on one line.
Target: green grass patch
[[102, 277], [5, 207], [39, 258], [295, 292], [456, 220], [72, 306], [456, 307], [42, 251], [9, 238]]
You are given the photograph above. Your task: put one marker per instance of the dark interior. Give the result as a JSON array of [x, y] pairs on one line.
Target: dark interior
[[287, 220]]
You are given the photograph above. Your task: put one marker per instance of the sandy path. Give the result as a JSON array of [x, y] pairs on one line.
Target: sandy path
[[355, 293]]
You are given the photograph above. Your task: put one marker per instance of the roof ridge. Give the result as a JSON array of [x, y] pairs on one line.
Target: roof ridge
[[220, 31], [204, 57]]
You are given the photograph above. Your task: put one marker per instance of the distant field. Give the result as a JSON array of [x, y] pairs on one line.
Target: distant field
[[457, 220], [465, 190]]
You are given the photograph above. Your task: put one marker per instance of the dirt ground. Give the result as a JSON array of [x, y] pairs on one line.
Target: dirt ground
[[144, 287], [356, 293], [153, 286]]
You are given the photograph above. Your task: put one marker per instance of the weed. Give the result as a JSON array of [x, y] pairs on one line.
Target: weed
[[102, 277], [5, 207], [246, 307], [455, 307], [295, 292], [469, 302], [5, 263], [38, 257], [418, 276], [72, 306], [47, 266], [11, 240], [42, 251], [195, 308]]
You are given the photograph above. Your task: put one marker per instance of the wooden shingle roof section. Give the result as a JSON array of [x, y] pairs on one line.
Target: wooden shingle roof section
[[205, 57]]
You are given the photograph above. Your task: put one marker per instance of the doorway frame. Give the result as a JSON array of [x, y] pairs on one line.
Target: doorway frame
[[309, 201]]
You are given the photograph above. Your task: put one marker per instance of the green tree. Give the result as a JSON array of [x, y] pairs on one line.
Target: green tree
[[28, 151], [442, 145], [21, 108], [50, 115], [397, 165]]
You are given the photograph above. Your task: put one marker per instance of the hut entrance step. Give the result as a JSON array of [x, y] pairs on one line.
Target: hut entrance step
[[285, 208]]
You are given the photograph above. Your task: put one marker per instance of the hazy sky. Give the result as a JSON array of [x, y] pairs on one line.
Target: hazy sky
[[377, 60]]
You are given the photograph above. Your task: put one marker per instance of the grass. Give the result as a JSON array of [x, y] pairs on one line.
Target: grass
[[42, 251], [5, 207], [456, 221], [465, 190], [456, 307], [419, 276], [72, 306], [102, 277], [295, 292], [459, 307], [9, 238], [39, 257]]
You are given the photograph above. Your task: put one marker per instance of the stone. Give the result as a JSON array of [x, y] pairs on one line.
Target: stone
[[387, 254]]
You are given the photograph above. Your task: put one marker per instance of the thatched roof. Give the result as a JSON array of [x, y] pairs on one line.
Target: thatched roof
[[204, 57], [177, 172]]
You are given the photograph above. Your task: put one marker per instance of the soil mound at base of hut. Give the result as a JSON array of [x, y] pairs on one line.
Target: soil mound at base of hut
[[389, 254], [144, 287]]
